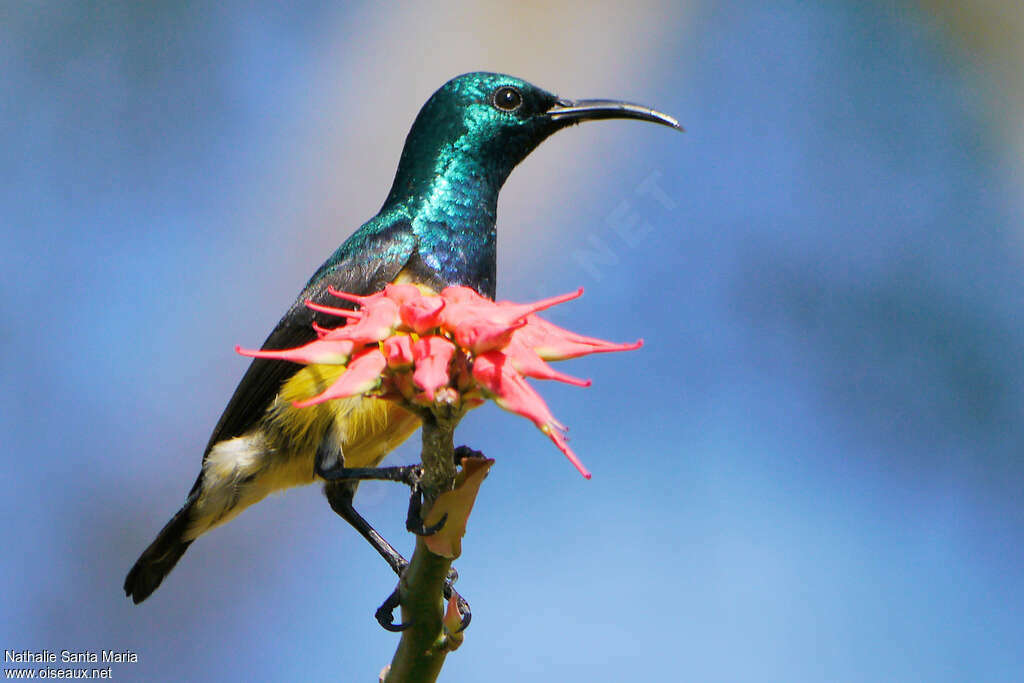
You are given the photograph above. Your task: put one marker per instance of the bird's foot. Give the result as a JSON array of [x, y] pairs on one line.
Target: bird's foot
[[410, 475], [405, 474], [385, 613]]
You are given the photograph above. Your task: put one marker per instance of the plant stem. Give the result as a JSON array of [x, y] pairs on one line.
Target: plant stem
[[423, 647], [438, 454]]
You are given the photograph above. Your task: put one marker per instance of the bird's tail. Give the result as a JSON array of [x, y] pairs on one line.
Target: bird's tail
[[159, 558]]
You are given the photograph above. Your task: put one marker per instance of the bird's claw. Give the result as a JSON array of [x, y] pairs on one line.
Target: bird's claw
[[385, 613], [414, 521], [420, 529], [465, 614]]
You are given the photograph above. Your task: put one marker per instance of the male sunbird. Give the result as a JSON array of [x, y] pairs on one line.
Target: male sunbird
[[436, 228]]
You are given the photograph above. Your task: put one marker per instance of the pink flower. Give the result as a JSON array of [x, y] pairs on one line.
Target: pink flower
[[420, 348]]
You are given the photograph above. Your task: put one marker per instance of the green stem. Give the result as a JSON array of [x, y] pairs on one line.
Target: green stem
[[423, 647], [438, 453]]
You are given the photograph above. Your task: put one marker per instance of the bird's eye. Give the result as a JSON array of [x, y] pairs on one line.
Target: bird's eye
[[507, 98]]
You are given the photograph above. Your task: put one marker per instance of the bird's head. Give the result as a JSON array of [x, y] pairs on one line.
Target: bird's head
[[483, 124]]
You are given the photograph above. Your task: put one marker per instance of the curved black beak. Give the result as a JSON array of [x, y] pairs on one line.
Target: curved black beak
[[568, 112]]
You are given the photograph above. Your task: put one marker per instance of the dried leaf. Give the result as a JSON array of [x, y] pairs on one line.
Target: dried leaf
[[452, 622], [457, 503]]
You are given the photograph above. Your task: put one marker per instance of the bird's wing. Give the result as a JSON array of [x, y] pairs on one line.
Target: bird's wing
[[361, 266]]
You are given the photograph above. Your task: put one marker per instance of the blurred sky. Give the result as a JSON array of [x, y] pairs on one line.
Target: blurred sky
[[812, 471]]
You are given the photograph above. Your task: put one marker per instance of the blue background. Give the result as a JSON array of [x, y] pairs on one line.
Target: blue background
[[812, 471]]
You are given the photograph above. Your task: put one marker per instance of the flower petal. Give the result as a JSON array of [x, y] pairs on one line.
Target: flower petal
[[319, 351], [523, 310], [495, 374], [398, 351], [331, 310], [354, 298], [552, 342], [361, 375], [378, 320], [402, 293], [480, 336], [423, 314], [460, 294], [526, 362], [432, 355]]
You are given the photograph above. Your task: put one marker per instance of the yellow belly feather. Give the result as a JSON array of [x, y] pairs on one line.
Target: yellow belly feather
[[368, 428], [280, 452]]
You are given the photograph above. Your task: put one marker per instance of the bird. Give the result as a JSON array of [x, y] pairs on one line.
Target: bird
[[436, 228]]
